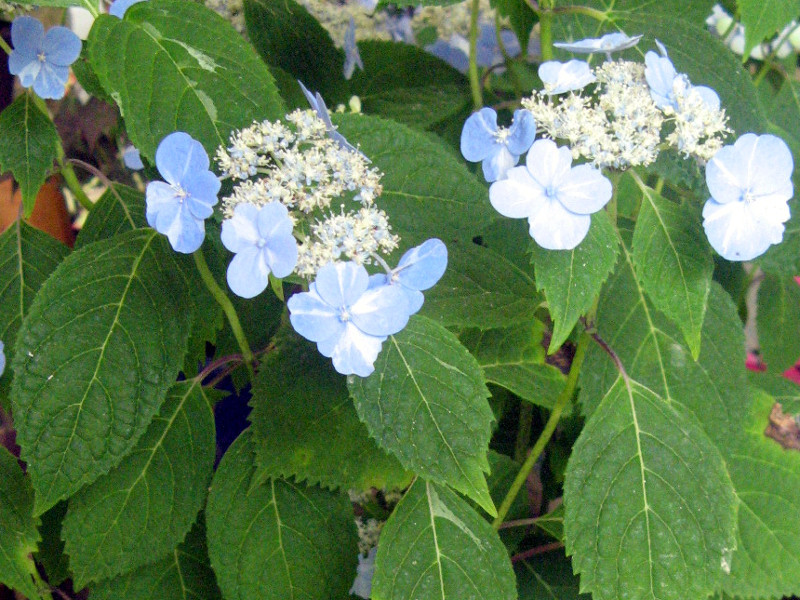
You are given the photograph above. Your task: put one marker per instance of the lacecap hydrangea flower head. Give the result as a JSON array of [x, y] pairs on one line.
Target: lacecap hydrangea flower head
[[42, 60]]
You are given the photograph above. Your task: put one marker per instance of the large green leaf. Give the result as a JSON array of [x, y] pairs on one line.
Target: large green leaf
[[778, 319], [763, 18], [513, 358], [28, 146], [434, 546], [113, 213], [99, 348], [27, 257], [304, 425], [426, 404], [18, 534], [571, 279], [287, 36], [184, 575], [673, 261], [168, 77], [140, 511], [650, 509], [547, 575], [279, 539]]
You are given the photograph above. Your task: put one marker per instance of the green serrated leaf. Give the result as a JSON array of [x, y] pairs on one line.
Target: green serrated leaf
[[18, 534], [649, 506], [140, 511], [280, 539], [184, 575], [28, 146], [513, 358], [287, 36], [426, 404], [50, 553], [571, 279], [673, 261], [168, 77], [786, 392], [778, 320], [113, 214], [763, 18], [95, 355], [434, 546], [547, 575], [304, 425], [552, 523], [27, 257]]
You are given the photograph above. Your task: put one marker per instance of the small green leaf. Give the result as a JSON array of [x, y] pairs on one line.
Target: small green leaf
[[650, 508], [140, 511], [778, 319], [674, 263], [434, 546], [571, 279], [513, 358], [521, 17], [762, 19], [553, 522], [27, 257], [18, 534], [280, 539], [426, 404], [168, 77], [548, 575], [113, 214], [184, 575], [28, 146], [50, 553], [305, 426], [99, 348]]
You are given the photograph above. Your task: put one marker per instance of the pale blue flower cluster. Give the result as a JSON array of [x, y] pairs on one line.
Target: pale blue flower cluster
[[750, 184], [179, 207], [42, 60], [350, 314], [667, 85], [498, 148]]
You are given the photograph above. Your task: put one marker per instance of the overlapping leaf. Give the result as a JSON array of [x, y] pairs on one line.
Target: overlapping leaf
[[305, 426], [184, 575], [778, 319], [571, 279], [18, 534], [277, 540], [650, 509], [113, 214], [548, 575], [168, 77], [434, 546], [28, 146], [426, 404], [27, 257], [764, 18], [140, 511], [99, 348]]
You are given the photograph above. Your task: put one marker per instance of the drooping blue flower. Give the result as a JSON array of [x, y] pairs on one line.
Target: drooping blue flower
[[554, 196], [179, 208], [419, 269], [132, 158], [2, 358], [499, 148], [750, 184], [262, 240], [347, 319], [318, 104], [610, 42], [666, 84], [559, 78], [42, 60], [119, 7], [352, 58]]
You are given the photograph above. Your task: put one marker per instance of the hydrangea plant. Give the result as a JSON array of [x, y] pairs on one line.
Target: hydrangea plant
[[305, 346]]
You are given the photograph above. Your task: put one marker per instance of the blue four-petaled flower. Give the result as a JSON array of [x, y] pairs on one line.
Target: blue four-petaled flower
[[179, 207], [263, 243], [666, 84], [42, 60], [499, 148], [750, 184], [554, 196], [348, 319], [118, 8]]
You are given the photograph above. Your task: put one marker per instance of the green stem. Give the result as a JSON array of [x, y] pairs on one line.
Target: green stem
[[227, 307], [547, 433], [91, 6], [765, 68], [524, 430], [68, 173], [546, 34], [474, 79], [6, 48], [595, 14]]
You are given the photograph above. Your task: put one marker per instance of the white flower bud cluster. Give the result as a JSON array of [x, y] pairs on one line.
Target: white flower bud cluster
[[297, 164], [620, 125], [369, 531], [231, 10]]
